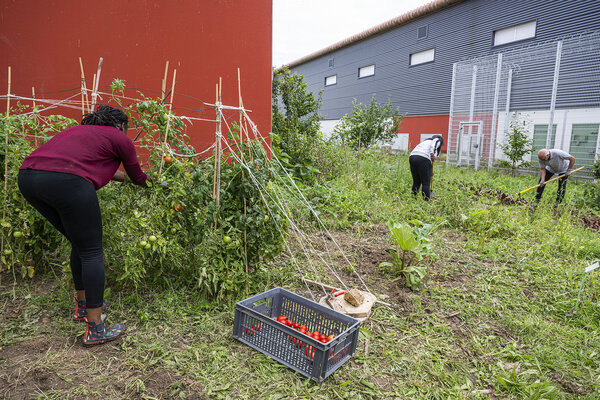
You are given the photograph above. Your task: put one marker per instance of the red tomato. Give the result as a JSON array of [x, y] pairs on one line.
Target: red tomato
[[177, 207], [249, 331], [302, 330], [296, 325], [288, 322], [303, 327], [316, 333], [281, 318], [324, 340], [256, 327], [330, 337], [322, 337], [168, 159]]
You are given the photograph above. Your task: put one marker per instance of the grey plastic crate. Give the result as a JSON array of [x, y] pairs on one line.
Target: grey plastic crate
[[255, 324]]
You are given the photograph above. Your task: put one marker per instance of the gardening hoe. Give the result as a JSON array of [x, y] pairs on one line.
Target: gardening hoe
[[161, 103], [553, 179]]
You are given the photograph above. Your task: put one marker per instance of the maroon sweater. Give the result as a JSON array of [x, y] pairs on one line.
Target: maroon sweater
[[90, 151]]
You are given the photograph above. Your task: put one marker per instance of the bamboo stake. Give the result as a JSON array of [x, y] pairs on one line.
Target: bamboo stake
[[8, 96], [95, 92], [216, 144], [83, 106], [219, 146], [93, 86], [35, 114], [358, 160], [164, 81], [6, 156], [162, 160], [241, 103]]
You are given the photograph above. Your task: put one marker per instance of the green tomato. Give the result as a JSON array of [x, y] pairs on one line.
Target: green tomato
[[227, 239], [266, 218], [152, 238], [143, 243], [17, 234], [147, 246], [7, 252]]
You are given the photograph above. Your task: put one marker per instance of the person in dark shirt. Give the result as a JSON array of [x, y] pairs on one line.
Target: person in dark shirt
[[60, 180]]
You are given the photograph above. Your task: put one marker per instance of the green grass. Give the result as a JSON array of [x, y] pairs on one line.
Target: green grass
[[495, 316]]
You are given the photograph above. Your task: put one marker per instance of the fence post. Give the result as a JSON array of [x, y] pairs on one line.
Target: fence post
[[507, 108], [471, 112], [450, 116], [554, 91], [495, 112]]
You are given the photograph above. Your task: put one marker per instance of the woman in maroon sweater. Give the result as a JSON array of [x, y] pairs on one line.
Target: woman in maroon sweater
[[60, 179]]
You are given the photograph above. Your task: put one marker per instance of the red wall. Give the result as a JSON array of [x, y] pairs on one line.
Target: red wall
[[203, 40], [425, 124]]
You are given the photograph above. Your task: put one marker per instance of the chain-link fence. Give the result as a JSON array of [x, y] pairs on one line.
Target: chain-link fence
[[552, 89]]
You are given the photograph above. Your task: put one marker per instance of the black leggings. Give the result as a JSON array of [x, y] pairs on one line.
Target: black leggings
[[70, 204], [560, 192], [421, 169]]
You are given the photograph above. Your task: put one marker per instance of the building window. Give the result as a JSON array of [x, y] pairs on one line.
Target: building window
[[422, 32], [514, 33], [331, 63], [366, 71], [330, 80], [422, 57]]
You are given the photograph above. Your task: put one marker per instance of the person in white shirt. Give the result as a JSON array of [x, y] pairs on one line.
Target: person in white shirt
[[421, 164], [552, 162]]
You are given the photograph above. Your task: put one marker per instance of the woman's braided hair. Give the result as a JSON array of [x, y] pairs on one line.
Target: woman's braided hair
[[106, 116]]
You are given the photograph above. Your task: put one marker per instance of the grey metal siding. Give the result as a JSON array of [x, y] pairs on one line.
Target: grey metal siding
[[462, 31]]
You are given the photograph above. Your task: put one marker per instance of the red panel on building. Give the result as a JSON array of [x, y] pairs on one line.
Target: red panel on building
[[415, 126], [203, 40]]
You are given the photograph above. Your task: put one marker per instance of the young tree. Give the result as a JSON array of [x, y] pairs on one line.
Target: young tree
[[517, 143], [296, 125], [367, 125]]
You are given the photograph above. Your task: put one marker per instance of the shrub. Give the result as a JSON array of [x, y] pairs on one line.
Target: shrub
[[517, 143], [367, 125]]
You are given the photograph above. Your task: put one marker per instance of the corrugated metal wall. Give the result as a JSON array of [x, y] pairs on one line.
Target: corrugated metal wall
[[460, 32]]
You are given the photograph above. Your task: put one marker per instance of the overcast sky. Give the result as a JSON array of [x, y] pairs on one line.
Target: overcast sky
[[301, 27]]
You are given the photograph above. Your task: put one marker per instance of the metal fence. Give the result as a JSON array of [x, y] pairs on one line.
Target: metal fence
[[552, 88]]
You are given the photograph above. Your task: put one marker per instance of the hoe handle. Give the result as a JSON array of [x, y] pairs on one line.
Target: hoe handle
[[553, 179]]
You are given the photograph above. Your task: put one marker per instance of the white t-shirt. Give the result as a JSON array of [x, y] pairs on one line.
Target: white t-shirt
[[427, 147]]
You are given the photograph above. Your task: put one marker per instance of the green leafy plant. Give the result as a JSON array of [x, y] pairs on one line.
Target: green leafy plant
[[596, 168], [296, 127], [517, 142], [367, 125], [25, 234], [486, 224], [413, 246]]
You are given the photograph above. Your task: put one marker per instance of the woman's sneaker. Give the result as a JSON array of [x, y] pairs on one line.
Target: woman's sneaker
[[81, 310], [99, 333]]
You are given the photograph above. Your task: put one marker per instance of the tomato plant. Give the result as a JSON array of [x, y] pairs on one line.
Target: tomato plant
[[170, 233]]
